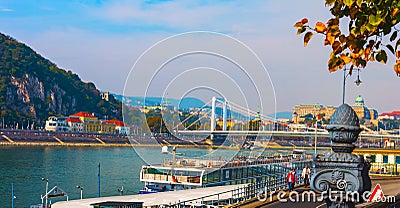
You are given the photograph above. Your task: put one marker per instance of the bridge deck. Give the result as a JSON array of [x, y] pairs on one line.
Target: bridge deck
[[320, 133]]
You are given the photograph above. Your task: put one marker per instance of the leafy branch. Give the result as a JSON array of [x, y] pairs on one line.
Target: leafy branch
[[370, 35]]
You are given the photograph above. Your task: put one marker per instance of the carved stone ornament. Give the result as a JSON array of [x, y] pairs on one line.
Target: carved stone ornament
[[344, 128], [334, 180], [341, 171]]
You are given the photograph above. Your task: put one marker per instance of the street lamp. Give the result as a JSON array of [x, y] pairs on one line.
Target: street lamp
[[121, 191], [12, 195], [81, 188], [345, 75], [315, 139], [47, 189], [358, 81]]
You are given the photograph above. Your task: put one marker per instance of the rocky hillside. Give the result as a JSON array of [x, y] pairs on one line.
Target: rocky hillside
[[32, 88]]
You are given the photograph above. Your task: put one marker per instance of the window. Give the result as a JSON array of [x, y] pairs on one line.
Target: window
[[373, 158], [385, 159], [397, 159]]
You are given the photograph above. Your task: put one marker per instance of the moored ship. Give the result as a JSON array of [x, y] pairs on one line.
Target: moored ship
[[188, 173]]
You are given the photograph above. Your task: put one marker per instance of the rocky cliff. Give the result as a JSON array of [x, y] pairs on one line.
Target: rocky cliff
[[32, 88]]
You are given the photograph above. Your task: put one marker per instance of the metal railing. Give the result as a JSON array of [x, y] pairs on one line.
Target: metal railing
[[385, 169], [242, 193]]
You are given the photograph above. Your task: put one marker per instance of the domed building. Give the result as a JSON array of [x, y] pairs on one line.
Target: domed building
[[359, 101], [364, 113]]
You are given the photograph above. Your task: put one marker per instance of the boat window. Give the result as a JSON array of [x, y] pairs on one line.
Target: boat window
[[153, 171]]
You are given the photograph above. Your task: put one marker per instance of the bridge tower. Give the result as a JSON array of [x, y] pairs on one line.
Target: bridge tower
[[214, 101], [212, 119], [224, 111]]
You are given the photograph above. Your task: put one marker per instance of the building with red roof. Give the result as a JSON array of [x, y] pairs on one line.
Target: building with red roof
[[116, 122], [75, 124], [394, 115], [85, 116], [120, 127], [87, 122], [74, 120]]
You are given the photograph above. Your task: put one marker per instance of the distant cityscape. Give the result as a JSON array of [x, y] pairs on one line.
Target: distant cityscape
[[369, 116], [303, 114]]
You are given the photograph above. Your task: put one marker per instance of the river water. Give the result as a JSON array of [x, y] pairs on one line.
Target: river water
[[67, 167]]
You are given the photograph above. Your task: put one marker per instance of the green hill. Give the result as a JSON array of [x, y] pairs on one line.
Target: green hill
[[184, 103], [32, 88]]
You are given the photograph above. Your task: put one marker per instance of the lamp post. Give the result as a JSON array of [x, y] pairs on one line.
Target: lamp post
[[358, 81], [345, 75], [98, 182], [121, 191], [399, 137], [81, 188], [315, 139], [47, 189], [12, 195], [164, 150]]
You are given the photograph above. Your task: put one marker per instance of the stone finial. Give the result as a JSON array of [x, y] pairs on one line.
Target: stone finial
[[344, 128], [341, 173]]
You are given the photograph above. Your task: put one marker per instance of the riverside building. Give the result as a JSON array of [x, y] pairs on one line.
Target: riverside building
[[366, 114]]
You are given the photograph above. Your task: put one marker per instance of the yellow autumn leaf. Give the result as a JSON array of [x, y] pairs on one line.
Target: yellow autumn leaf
[[330, 38], [366, 53], [348, 2], [345, 59], [394, 12], [371, 58], [320, 27], [397, 69], [357, 54], [359, 2], [333, 69]]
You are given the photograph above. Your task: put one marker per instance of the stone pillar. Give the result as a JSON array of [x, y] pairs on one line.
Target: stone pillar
[[342, 177]]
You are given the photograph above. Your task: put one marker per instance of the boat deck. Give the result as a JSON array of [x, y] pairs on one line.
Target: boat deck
[[156, 199]]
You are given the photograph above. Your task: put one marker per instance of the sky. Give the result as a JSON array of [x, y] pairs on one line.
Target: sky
[[101, 40]]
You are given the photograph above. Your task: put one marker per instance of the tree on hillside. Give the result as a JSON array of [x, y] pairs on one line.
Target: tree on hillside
[[309, 118], [359, 32]]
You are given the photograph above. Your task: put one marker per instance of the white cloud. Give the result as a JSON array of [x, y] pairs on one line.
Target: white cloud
[[173, 14], [4, 9]]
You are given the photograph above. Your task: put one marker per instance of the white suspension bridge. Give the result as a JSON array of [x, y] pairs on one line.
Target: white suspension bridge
[[264, 125]]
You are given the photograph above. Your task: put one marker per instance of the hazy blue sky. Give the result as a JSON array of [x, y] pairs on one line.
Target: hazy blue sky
[[100, 40]]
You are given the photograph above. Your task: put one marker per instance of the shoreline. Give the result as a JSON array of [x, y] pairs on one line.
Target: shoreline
[[104, 145], [66, 144]]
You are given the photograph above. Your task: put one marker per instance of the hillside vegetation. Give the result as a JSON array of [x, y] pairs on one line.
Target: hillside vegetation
[[32, 88]]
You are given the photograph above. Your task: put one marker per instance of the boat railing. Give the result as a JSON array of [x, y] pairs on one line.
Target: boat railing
[[239, 194], [242, 161], [269, 160], [171, 178], [194, 163]]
